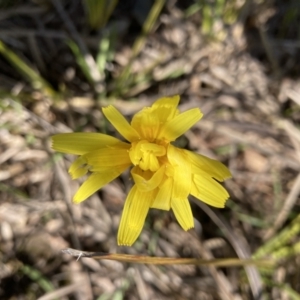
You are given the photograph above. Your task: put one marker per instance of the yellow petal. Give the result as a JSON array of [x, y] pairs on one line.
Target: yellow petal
[[182, 172], [97, 181], [120, 123], [209, 191], [167, 101], [107, 157], [145, 155], [212, 167], [166, 108], [163, 197], [180, 124], [149, 120], [183, 213], [134, 214], [156, 149], [82, 142], [143, 183], [78, 168], [146, 123]]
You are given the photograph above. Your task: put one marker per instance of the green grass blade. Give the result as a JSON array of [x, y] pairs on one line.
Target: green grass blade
[[111, 5], [99, 12], [81, 61], [280, 240], [37, 82], [124, 78], [37, 277]]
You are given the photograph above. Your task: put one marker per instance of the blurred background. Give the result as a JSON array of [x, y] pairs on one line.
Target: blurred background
[[237, 60]]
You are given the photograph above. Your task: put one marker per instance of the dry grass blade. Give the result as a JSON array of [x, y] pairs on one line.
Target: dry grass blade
[[64, 181], [141, 259], [293, 195], [286, 209], [226, 289], [286, 160], [59, 293], [269, 50], [239, 247]]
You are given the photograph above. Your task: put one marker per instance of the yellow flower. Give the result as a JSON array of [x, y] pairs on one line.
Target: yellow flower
[[164, 175]]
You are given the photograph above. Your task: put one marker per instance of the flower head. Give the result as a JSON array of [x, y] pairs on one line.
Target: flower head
[[163, 174]]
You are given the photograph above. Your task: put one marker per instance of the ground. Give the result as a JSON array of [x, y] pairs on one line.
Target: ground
[[238, 61]]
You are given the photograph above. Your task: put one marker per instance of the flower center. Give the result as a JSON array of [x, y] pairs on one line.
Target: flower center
[[146, 155]]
